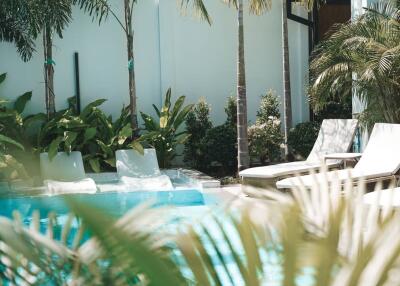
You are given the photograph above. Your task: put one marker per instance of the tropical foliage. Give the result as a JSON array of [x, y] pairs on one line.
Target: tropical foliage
[[93, 133], [321, 237], [363, 56], [164, 133], [16, 26], [197, 125], [23, 21], [10, 168], [17, 139]]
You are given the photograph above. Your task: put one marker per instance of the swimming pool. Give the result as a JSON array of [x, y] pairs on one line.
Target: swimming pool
[[187, 206], [183, 203]]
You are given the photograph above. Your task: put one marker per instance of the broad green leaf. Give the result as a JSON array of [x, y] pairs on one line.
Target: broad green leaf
[[53, 148], [8, 140], [177, 107], [39, 117], [69, 139], [136, 145], [167, 101], [2, 77], [105, 148], [157, 110], [95, 165], [85, 112], [71, 122], [164, 119], [21, 101], [180, 119], [89, 134], [149, 122], [124, 134]]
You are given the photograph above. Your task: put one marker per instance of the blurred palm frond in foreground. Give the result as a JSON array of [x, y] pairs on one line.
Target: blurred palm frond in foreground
[[325, 236]]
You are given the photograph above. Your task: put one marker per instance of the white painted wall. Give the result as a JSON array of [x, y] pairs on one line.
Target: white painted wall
[[172, 50]]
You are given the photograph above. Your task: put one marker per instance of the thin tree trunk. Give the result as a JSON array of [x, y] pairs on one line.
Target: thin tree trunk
[[131, 65], [49, 72], [243, 146], [287, 100]]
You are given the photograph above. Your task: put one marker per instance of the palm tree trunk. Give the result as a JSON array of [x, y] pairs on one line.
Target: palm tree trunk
[[243, 146], [287, 100], [49, 72], [131, 64]]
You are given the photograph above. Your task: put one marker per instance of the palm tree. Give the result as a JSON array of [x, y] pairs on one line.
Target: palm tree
[[15, 26], [22, 21], [55, 16], [368, 47], [287, 98], [256, 7], [101, 9]]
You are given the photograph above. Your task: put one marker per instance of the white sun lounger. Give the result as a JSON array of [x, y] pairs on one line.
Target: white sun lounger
[[388, 197], [141, 172], [335, 136], [65, 174], [380, 161]]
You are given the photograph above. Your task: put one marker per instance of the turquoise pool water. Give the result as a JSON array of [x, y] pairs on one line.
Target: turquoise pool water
[[187, 206], [115, 203]]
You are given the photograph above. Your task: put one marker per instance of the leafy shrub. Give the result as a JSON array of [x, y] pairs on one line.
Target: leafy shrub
[[163, 133], [17, 142], [220, 143], [265, 141], [10, 168], [231, 111], [197, 124], [302, 137], [269, 107], [265, 136], [93, 133]]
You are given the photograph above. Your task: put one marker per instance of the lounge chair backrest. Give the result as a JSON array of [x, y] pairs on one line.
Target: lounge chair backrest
[[63, 167], [382, 153], [131, 163], [335, 136]]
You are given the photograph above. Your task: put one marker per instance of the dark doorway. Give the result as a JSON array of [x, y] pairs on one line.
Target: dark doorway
[[331, 13]]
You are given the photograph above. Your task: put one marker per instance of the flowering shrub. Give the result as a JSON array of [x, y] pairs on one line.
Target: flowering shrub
[[265, 136], [265, 141]]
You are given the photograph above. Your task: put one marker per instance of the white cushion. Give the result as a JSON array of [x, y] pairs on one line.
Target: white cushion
[[131, 163], [382, 154], [281, 170], [158, 183], [381, 158], [75, 187], [340, 175], [63, 167], [387, 197]]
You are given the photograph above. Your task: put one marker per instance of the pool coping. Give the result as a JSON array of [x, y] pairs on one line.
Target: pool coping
[[21, 188]]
